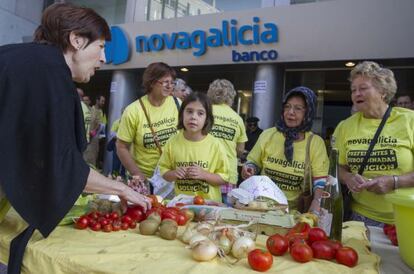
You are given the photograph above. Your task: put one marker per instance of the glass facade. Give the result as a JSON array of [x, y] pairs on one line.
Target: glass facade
[[112, 10]]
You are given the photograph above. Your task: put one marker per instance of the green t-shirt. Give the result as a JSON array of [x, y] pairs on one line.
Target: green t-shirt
[[134, 129], [393, 154], [230, 129], [268, 154], [206, 153]]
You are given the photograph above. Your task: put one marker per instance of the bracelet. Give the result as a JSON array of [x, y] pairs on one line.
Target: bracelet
[[395, 178]]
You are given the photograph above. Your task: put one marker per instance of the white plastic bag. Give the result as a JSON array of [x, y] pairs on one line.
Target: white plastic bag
[[162, 187]]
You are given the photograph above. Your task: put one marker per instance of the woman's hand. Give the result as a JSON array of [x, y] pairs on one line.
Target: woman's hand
[[355, 182], [180, 173], [130, 195], [247, 171], [380, 185], [196, 172]]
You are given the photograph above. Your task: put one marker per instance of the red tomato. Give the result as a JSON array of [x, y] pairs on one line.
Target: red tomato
[[96, 226], [169, 214], [300, 228], [347, 256], [277, 244], [116, 225], [335, 244], [301, 252], [260, 260], [296, 238], [126, 219], [316, 234], [198, 200], [124, 226], [133, 224], [114, 215], [136, 213], [107, 215], [181, 219], [82, 222], [153, 209], [103, 221], [323, 250], [188, 213], [107, 228], [94, 215]]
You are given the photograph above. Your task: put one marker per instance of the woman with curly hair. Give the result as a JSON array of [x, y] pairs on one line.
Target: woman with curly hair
[[390, 165], [228, 127]]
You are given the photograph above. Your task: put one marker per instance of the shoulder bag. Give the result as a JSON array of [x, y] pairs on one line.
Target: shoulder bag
[[161, 187], [346, 192], [306, 197]]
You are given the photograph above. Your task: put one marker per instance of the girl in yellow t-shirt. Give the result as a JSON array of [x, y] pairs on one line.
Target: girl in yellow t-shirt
[[193, 158]]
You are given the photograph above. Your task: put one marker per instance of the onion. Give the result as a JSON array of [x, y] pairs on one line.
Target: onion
[[204, 251], [242, 246], [224, 243], [197, 237], [205, 228], [187, 235]]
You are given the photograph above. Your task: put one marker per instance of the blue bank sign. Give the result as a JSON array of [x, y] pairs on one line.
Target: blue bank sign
[[229, 35]]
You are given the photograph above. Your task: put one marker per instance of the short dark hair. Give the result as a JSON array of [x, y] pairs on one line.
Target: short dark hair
[[205, 101], [156, 71], [60, 19], [252, 119]]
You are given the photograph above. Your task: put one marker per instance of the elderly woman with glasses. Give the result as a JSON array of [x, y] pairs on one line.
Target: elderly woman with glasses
[[148, 123], [280, 151], [390, 165]]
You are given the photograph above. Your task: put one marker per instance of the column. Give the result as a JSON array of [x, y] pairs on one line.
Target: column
[[267, 95], [124, 90]]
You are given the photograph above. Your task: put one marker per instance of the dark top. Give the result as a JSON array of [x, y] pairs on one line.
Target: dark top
[[252, 138], [42, 135]]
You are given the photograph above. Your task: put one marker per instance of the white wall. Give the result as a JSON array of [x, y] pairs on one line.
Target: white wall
[[322, 31], [18, 18]]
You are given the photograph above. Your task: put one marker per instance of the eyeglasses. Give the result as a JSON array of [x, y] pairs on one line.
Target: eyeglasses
[[167, 83], [295, 108]]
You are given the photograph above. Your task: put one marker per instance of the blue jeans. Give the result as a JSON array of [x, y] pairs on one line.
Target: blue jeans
[[367, 221]]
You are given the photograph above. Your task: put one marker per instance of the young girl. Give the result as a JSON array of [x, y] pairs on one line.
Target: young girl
[[193, 158]]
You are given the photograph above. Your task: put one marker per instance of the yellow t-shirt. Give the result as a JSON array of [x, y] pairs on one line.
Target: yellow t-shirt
[[393, 154], [134, 129], [268, 154], [230, 129], [115, 125], [86, 118], [206, 153]]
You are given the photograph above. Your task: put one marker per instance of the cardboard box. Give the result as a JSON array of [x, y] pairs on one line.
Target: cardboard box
[[267, 223]]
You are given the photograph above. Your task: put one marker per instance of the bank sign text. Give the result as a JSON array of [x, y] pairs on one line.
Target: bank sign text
[[229, 34]]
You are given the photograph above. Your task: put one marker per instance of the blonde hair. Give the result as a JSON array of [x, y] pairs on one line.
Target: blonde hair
[[382, 78], [221, 91]]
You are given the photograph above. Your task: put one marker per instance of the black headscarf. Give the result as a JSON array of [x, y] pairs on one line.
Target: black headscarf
[[42, 137], [292, 134]]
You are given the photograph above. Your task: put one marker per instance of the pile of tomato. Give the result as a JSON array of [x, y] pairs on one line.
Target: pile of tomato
[[107, 222], [391, 232], [303, 243]]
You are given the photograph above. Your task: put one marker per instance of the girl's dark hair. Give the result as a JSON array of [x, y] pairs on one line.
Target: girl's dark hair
[[154, 72], [205, 101], [60, 19]]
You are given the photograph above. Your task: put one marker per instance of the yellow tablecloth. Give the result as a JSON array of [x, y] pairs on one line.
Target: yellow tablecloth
[[68, 250]]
